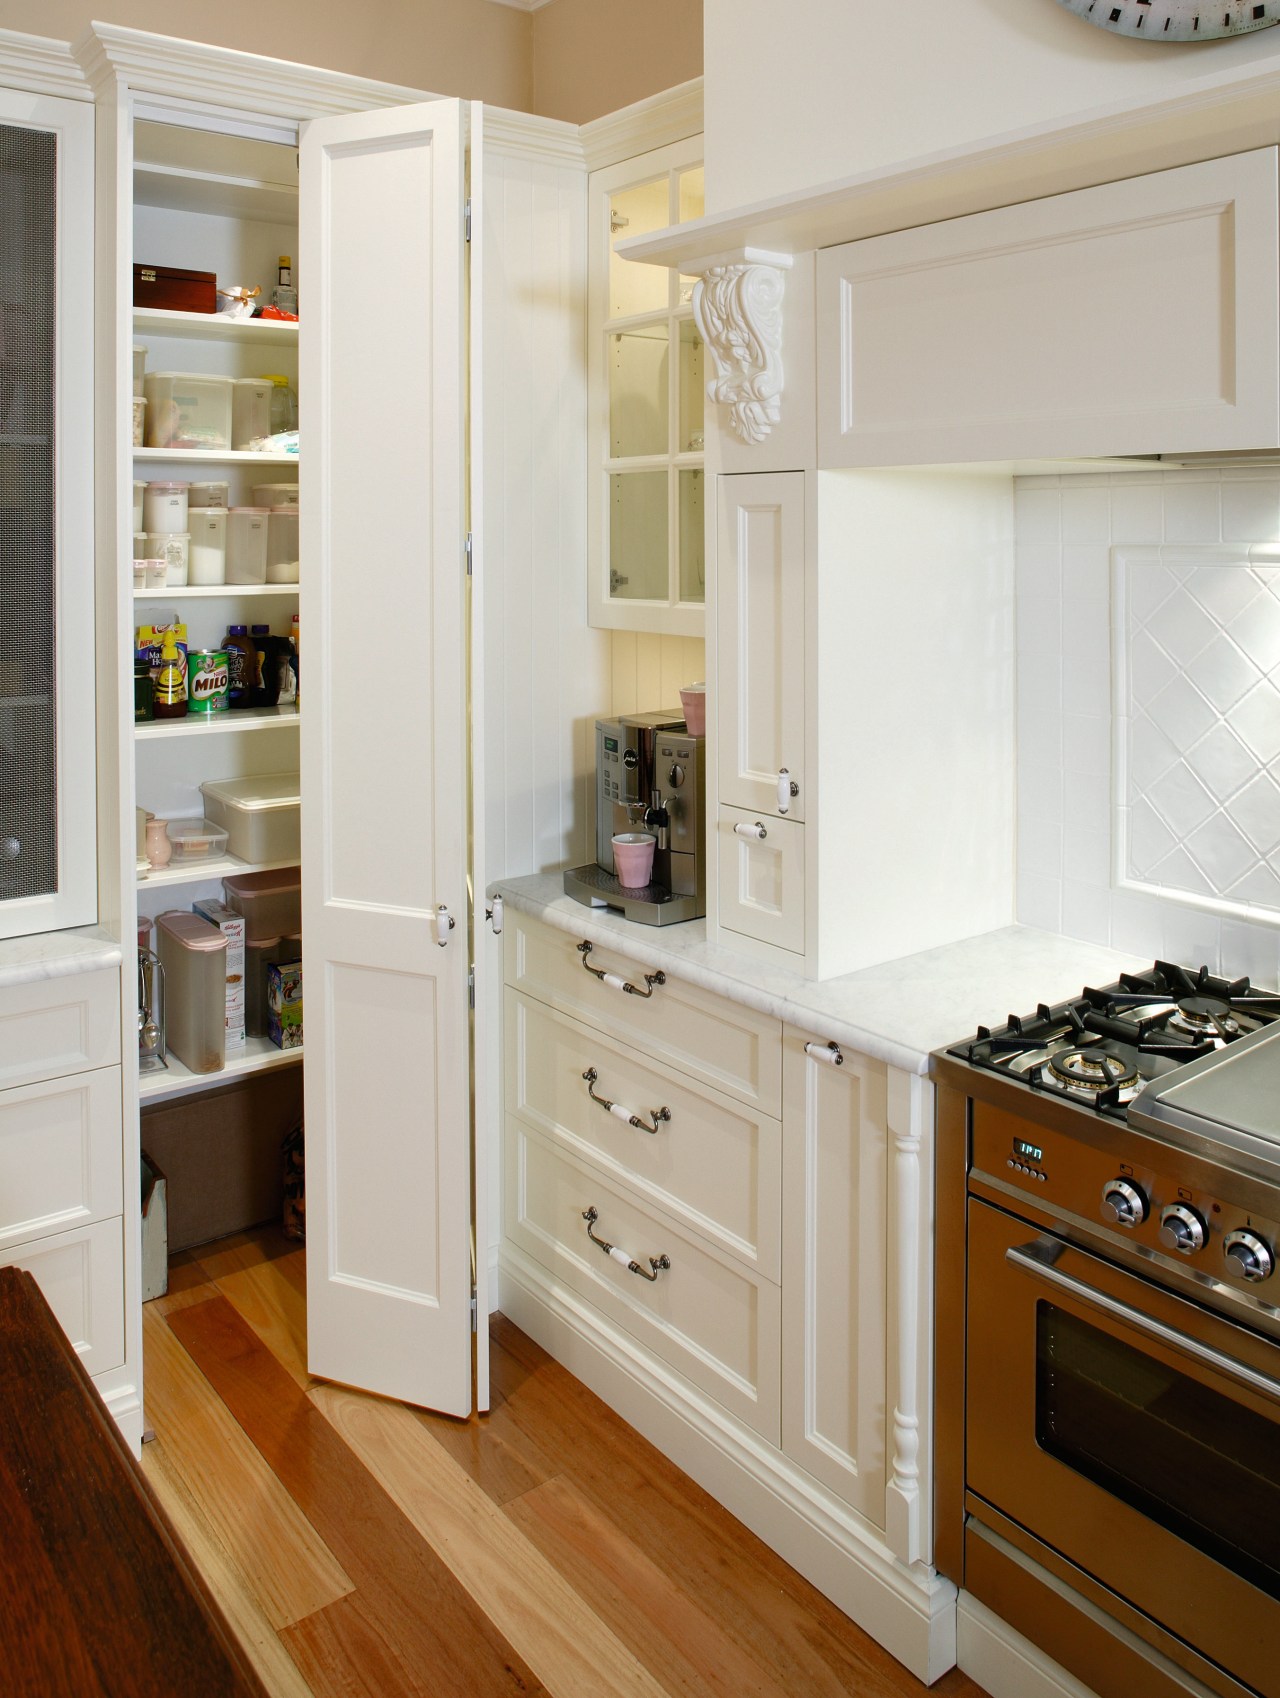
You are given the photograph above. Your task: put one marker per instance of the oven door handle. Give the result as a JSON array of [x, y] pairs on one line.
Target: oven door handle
[[1025, 1258]]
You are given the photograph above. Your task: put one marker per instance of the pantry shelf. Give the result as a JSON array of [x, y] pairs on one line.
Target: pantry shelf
[[215, 327], [202, 592], [216, 867], [212, 457], [259, 1055], [183, 190], [213, 724]]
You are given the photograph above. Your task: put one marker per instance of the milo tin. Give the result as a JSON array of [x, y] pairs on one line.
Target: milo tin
[[208, 681]]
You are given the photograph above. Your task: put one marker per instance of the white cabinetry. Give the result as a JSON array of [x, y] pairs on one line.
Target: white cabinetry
[[48, 874], [862, 690], [724, 1234], [834, 1268], [61, 1187], [1135, 317]]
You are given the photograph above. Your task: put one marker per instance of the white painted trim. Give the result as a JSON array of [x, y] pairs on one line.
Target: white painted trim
[[672, 116], [1004, 1663], [529, 136], [250, 82], [37, 64], [125, 1408], [1227, 112], [910, 1611]]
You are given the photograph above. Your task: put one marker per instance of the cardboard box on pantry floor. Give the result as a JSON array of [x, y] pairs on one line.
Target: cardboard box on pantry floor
[[284, 1004]]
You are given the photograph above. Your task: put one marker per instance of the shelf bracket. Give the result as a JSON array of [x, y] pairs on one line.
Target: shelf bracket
[[737, 302]]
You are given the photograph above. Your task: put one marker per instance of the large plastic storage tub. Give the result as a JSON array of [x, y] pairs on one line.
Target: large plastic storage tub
[[194, 957], [270, 902], [262, 816], [188, 409]]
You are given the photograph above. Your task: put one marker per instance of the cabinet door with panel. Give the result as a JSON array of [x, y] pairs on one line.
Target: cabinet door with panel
[[1129, 318], [760, 637], [834, 1268]]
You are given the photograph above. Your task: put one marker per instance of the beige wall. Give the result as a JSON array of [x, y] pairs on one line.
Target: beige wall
[[474, 48], [594, 56]]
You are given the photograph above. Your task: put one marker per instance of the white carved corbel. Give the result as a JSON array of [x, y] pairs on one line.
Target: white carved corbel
[[737, 303]]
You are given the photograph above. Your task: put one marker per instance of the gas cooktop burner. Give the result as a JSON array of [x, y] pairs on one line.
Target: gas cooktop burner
[[1100, 1067], [1100, 1048]]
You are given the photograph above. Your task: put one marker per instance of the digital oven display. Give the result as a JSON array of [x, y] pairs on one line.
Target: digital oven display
[[611, 744], [1027, 1152]]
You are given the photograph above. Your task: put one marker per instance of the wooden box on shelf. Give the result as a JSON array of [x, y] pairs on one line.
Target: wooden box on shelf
[[178, 291]]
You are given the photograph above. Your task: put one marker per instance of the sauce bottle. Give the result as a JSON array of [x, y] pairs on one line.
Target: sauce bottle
[[242, 667], [171, 680]]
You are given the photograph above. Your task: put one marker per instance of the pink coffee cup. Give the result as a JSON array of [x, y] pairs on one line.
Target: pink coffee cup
[[633, 858], [693, 700]]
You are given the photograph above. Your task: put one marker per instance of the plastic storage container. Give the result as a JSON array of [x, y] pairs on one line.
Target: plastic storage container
[[270, 902], [164, 507], [247, 545], [139, 491], [262, 815], [188, 410], [174, 548], [139, 368], [139, 420], [196, 840], [194, 957], [282, 545], [275, 494], [251, 410], [208, 494], [259, 953], [208, 558]]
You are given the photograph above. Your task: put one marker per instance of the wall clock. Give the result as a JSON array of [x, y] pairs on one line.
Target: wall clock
[[1178, 20]]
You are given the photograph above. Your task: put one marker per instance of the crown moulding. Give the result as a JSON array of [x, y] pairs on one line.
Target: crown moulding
[[737, 303], [41, 66]]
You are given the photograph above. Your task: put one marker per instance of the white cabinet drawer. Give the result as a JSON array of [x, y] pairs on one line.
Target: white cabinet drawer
[[57, 1026], [706, 1315], [59, 1155], [761, 877], [82, 1276], [712, 1163], [1111, 320], [731, 1047]]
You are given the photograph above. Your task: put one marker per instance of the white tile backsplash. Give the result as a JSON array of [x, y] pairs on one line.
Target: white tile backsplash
[[1183, 860]]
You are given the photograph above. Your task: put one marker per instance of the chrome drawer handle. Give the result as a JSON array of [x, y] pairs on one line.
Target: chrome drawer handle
[[656, 1263], [615, 980], [831, 1053], [621, 1113], [757, 830]]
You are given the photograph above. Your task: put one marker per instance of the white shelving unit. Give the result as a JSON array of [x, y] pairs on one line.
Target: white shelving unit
[[259, 1055], [190, 213]]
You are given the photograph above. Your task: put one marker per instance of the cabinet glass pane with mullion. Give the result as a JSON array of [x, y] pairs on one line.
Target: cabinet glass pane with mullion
[[638, 362], [638, 547], [635, 211], [690, 202]]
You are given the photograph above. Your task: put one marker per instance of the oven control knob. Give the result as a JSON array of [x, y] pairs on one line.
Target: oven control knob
[[1181, 1229], [1123, 1204], [1248, 1256], [675, 778]]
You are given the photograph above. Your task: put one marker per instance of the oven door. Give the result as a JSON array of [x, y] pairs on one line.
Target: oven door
[[1130, 1431]]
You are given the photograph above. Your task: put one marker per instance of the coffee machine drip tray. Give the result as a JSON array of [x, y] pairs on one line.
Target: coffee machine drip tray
[[650, 904]]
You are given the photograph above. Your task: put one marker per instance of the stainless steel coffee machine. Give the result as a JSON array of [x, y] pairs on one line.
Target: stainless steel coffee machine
[[650, 777]]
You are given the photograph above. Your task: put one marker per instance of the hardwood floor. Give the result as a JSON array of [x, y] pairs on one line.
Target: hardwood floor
[[362, 1549]]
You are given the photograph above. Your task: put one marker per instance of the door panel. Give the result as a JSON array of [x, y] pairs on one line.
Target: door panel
[[384, 755]]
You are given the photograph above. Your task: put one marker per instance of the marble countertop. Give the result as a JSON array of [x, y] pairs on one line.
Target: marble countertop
[[897, 1012], [56, 955]]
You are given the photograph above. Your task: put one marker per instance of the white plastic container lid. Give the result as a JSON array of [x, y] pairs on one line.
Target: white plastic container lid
[[286, 510], [191, 931], [248, 509], [171, 486], [260, 794], [193, 377]]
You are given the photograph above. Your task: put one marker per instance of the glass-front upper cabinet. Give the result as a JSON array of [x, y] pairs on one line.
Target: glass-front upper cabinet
[[48, 861], [647, 386]]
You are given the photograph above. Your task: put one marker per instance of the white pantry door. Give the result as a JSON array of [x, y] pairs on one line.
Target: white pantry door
[[384, 771]]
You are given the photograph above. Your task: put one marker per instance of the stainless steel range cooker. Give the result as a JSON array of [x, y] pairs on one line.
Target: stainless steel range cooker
[[1108, 1331]]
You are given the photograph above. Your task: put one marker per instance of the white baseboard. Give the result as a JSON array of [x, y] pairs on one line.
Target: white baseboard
[[125, 1408], [908, 1610], [1004, 1663]]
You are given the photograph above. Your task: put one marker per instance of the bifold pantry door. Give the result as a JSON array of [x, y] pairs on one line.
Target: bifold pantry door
[[384, 759]]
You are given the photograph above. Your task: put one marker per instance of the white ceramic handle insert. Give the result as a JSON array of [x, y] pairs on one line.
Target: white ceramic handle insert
[[830, 1053], [620, 1113], [445, 923], [621, 1256], [616, 980], [494, 916], [784, 791], [755, 830]]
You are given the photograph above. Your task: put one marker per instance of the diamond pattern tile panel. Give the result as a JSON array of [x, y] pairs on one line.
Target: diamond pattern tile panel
[[1200, 701]]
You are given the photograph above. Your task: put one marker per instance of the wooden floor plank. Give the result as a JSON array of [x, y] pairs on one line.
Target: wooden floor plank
[[774, 1614], [255, 1520], [271, 1303], [547, 1618], [407, 1596], [234, 1592], [345, 1654]]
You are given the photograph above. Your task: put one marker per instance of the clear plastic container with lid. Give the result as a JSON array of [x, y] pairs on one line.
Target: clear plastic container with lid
[[194, 957], [187, 409], [208, 494], [282, 545], [261, 814], [247, 545], [207, 561], [164, 507], [270, 902], [275, 494], [251, 410]]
